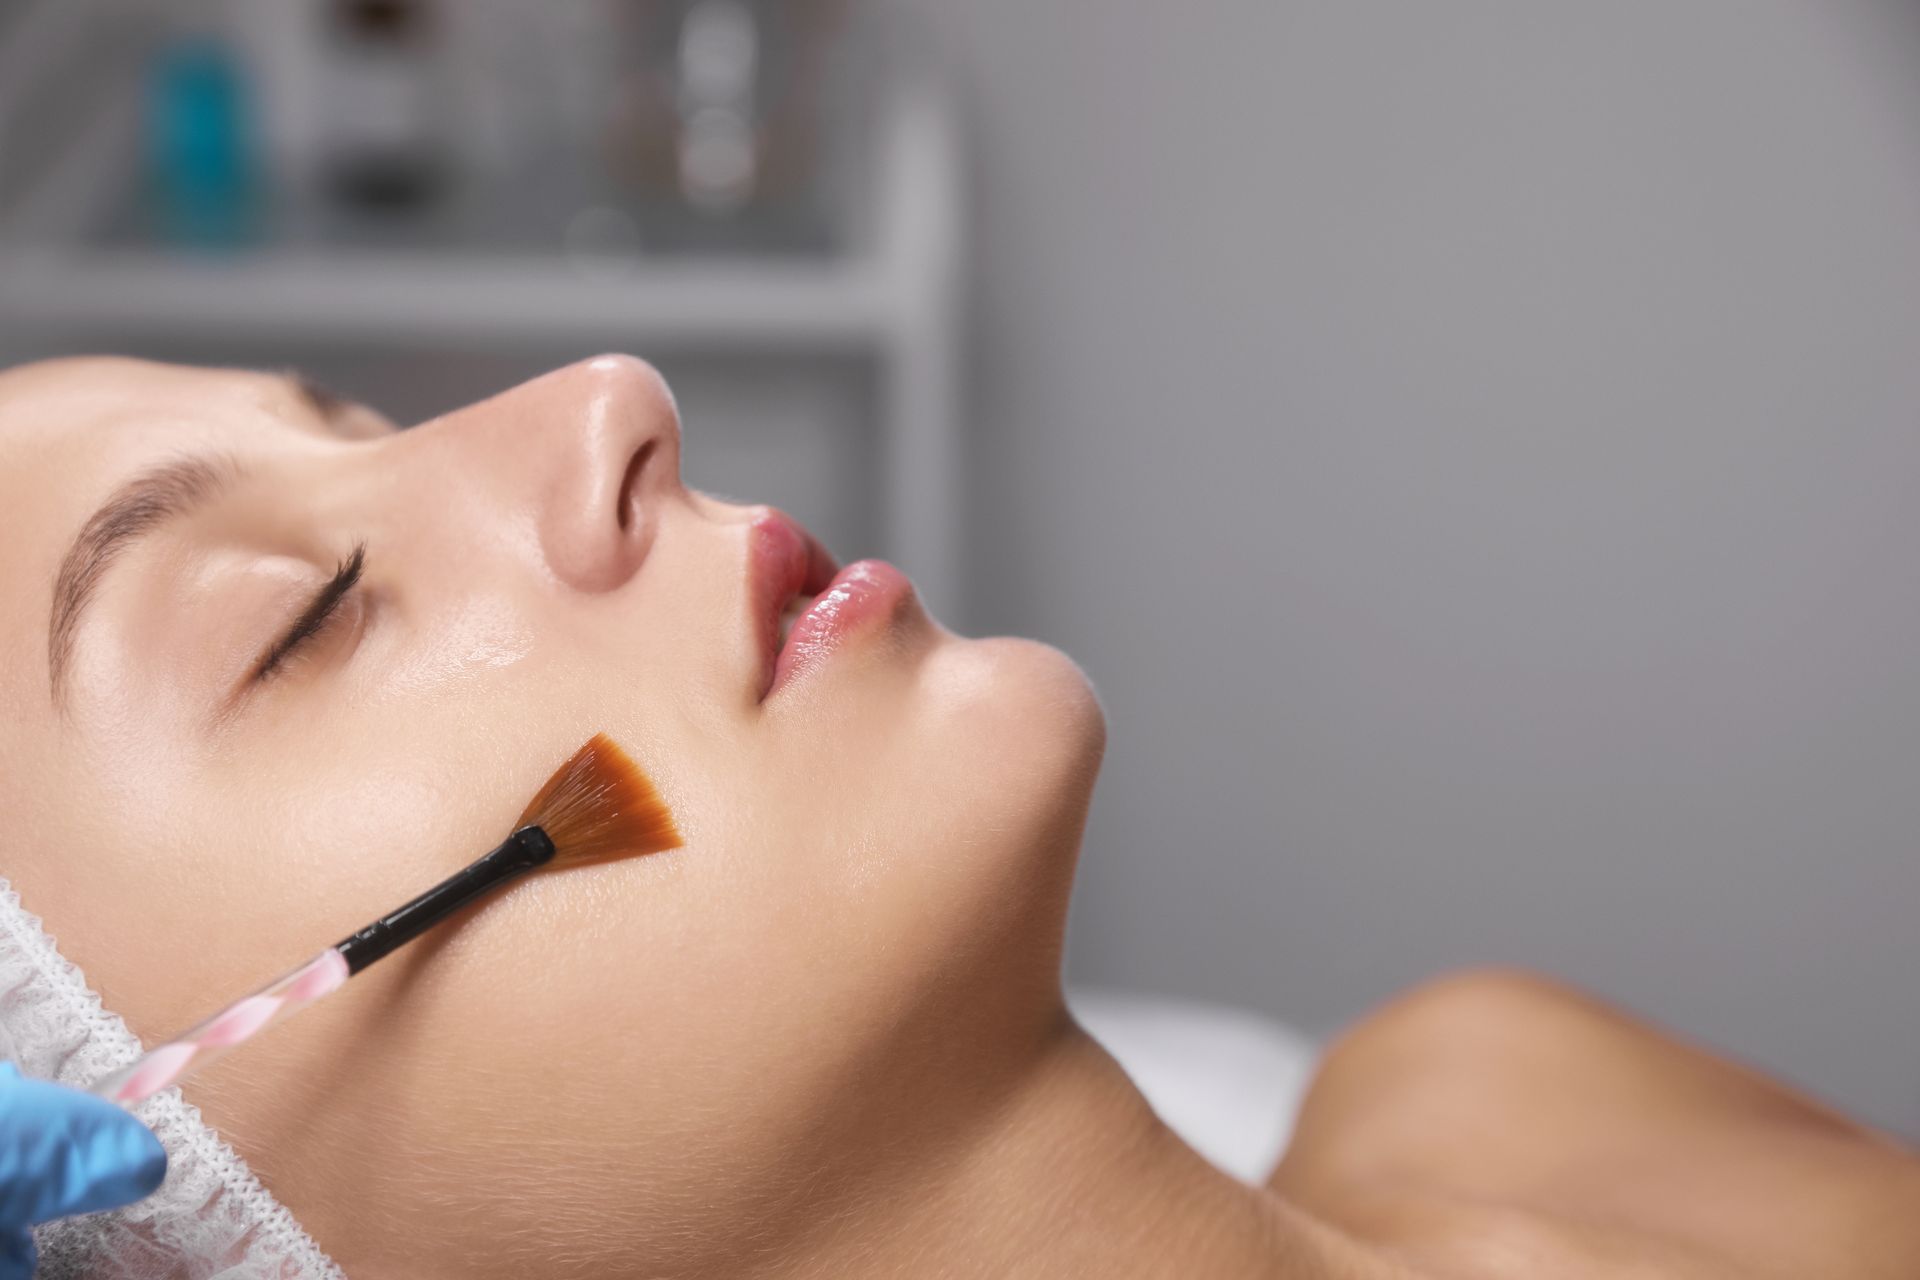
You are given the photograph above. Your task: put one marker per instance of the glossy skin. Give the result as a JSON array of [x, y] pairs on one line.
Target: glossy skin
[[825, 1038], [877, 861]]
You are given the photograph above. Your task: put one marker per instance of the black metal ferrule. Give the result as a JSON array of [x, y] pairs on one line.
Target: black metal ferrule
[[525, 849]]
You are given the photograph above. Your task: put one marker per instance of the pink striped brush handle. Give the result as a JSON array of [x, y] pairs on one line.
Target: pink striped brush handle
[[166, 1065]]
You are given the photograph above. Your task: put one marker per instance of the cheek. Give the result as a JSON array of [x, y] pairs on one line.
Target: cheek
[[309, 856], [475, 636], [848, 921], [345, 812], [833, 896]]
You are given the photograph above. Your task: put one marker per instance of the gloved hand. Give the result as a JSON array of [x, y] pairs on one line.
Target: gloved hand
[[63, 1151]]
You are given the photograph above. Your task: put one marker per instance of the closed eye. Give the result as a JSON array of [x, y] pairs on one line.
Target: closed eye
[[313, 620]]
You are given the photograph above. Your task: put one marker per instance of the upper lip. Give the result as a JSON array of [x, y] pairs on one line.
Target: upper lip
[[783, 561]]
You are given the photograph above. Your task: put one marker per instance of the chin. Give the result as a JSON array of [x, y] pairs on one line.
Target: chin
[[1001, 765], [1025, 728], [1053, 697]]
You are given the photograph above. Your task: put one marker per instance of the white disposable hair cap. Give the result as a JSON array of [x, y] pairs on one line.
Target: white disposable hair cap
[[211, 1219]]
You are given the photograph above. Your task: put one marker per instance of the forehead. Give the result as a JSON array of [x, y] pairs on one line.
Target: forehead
[[80, 426], [71, 431], [81, 399]]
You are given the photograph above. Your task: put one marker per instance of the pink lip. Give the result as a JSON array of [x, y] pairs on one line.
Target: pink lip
[[783, 561], [862, 594]]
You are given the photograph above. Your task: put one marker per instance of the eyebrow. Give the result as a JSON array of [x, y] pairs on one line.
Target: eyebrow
[[136, 510]]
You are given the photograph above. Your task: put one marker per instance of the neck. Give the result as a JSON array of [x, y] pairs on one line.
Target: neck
[[1074, 1175]]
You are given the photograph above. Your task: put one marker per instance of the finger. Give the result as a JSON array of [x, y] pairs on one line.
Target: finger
[[17, 1255], [63, 1152]]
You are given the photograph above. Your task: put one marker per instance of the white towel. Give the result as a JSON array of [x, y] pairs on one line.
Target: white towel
[[1227, 1080]]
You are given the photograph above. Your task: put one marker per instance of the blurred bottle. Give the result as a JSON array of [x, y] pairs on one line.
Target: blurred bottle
[[717, 83], [384, 137], [199, 142], [719, 110]]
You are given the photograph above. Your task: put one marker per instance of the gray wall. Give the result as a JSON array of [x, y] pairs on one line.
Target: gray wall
[[1475, 448]]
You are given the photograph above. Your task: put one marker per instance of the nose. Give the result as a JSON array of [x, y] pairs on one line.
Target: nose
[[591, 453]]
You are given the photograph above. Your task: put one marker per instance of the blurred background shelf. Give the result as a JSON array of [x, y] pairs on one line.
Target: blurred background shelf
[[837, 295], [322, 296]]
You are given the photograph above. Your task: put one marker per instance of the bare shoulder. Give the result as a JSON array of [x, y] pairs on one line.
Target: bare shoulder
[[1493, 1115]]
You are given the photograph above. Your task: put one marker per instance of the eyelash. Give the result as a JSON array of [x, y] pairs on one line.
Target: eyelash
[[314, 620]]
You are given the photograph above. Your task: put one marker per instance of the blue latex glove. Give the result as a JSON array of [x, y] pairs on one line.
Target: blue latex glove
[[62, 1152]]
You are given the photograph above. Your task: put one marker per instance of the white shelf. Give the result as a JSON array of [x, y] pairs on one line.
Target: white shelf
[[447, 298]]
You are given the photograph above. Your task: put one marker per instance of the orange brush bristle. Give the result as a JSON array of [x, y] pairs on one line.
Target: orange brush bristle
[[599, 805]]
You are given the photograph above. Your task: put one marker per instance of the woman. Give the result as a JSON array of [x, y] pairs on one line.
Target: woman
[[274, 666]]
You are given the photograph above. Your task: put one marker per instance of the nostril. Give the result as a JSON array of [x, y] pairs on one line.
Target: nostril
[[625, 509]]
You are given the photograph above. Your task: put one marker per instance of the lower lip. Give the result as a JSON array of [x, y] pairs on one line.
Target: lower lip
[[864, 594]]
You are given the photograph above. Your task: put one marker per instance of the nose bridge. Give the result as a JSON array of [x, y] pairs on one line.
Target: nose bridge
[[585, 456]]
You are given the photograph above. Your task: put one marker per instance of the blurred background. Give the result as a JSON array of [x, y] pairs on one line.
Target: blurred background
[[1474, 448]]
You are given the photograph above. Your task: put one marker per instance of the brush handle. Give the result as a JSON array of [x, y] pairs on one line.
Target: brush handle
[[167, 1064], [163, 1066], [524, 850]]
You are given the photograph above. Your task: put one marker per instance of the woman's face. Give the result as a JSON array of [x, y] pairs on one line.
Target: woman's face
[[858, 939]]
